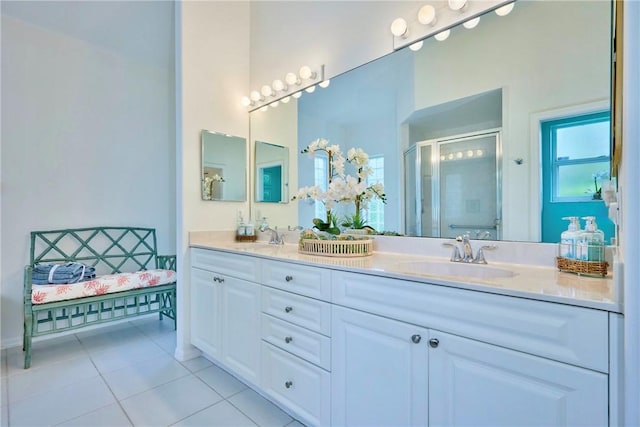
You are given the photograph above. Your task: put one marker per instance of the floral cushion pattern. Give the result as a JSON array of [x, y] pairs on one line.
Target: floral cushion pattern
[[101, 285]]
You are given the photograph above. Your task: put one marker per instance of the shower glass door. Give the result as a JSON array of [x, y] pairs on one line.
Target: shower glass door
[[458, 186]]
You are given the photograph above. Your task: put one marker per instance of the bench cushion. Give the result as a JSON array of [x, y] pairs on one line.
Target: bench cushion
[[101, 285]]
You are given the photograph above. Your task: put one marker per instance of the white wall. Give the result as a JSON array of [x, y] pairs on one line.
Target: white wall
[[212, 74], [87, 139]]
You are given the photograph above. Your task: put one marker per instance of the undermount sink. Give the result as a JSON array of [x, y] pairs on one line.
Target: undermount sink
[[436, 268], [257, 247]]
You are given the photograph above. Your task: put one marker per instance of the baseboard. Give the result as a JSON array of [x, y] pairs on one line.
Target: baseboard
[[184, 354]]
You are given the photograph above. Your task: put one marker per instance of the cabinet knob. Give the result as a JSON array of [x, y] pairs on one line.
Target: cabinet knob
[[288, 309], [288, 384], [288, 278], [288, 339], [218, 279], [433, 342], [416, 338]]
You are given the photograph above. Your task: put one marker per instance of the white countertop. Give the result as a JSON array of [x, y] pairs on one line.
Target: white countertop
[[543, 283]]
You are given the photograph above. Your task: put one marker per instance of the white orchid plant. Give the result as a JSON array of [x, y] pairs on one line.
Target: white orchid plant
[[207, 185], [342, 188]]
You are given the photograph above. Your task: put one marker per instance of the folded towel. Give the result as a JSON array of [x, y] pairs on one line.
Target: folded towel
[[56, 274]]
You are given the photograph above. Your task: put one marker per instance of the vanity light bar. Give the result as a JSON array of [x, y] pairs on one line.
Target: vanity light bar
[[293, 84], [438, 17]]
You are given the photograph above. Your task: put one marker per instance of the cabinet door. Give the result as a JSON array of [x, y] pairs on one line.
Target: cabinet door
[[379, 371], [241, 327], [473, 383], [206, 324]]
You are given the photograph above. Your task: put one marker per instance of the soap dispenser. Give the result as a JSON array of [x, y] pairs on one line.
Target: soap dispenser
[[591, 241], [569, 238], [241, 227]]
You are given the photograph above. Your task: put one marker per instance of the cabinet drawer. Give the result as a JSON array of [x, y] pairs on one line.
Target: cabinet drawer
[[302, 311], [299, 386], [240, 266], [570, 334], [310, 346], [310, 281]]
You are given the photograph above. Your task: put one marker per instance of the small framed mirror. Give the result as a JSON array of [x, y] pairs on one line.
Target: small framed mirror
[[224, 174], [272, 173]]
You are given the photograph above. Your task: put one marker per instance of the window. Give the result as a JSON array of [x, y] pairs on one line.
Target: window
[[320, 179], [375, 214], [579, 155]]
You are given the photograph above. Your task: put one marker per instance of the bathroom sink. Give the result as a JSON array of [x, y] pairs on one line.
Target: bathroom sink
[[258, 247], [436, 268]]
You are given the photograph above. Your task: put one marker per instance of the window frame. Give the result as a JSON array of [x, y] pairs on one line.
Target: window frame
[[550, 128]]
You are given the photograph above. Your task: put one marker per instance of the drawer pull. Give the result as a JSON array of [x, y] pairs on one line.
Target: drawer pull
[[433, 342], [288, 384], [288, 309], [416, 338], [218, 279], [288, 278], [288, 339]]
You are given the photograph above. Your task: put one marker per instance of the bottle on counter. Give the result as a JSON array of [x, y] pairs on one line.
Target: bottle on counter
[[569, 238], [241, 229], [591, 241]]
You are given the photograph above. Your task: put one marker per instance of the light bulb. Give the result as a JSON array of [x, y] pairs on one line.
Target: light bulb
[[504, 10], [416, 46], [286, 99], [442, 158], [458, 5], [470, 153], [311, 89], [399, 27], [255, 96], [479, 153], [450, 157], [459, 155], [471, 23], [324, 84], [292, 79], [245, 101], [274, 104], [278, 86], [427, 15], [442, 35], [264, 108], [297, 95], [306, 73], [266, 90]]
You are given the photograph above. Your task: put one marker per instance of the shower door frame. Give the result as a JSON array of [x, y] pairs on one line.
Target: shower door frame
[[435, 144]]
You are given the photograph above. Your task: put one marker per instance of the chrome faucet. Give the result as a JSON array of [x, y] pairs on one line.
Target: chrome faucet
[[464, 252], [276, 238]]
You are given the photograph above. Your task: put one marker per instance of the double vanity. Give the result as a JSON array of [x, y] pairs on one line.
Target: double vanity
[[400, 339]]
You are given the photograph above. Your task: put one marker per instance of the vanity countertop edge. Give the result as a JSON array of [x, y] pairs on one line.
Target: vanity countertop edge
[[541, 283]]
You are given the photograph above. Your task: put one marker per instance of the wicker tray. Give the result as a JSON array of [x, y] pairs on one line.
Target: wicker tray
[[596, 268], [336, 248]]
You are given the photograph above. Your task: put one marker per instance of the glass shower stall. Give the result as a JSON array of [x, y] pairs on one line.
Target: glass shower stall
[[453, 186]]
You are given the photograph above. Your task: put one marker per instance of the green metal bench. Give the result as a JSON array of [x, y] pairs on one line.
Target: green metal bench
[[109, 250]]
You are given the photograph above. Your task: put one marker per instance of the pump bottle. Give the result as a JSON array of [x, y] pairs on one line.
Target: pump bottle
[[569, 238], [591, 241]]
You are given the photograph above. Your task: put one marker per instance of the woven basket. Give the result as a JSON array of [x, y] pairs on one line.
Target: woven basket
[[336, 248], [596, 268]]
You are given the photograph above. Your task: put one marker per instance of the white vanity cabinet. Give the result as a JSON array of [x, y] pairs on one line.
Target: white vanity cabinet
[[474, 383], [296, 330], [225, 311], [389, 367], [380, 371]]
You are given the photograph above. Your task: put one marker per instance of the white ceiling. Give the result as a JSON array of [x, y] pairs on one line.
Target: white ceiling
[[137, 29]]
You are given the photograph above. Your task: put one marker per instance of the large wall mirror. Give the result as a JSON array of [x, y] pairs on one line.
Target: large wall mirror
[[224, 174], [457, 127]]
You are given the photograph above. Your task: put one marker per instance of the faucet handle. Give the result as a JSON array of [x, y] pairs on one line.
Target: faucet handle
[[479, 259], [297, 227], [455, 254]]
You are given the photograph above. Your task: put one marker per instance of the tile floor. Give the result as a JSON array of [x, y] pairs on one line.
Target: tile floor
[[124, 375]]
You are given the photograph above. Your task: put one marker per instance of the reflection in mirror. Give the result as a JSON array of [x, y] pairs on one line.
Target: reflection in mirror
[[271, 173], [223, 167], [547, 60]]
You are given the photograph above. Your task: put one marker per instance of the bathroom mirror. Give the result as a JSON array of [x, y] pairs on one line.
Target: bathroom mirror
[[545, 60], [224, 172], [271, 173]]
